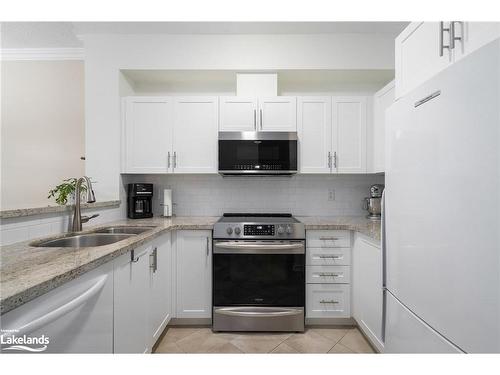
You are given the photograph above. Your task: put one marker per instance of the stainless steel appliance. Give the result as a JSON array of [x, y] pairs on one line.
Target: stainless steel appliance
[[257, 153], [373, 202], [258, 273]]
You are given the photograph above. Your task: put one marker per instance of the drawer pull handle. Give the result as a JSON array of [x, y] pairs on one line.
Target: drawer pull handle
[[330, 257], [328, 301], [329, 274], [328, 238]]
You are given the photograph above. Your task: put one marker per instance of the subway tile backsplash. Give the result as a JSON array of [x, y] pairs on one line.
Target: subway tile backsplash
[[302, 195]]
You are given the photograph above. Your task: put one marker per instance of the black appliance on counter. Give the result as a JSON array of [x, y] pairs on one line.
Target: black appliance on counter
[[258, 273], [140, 201]]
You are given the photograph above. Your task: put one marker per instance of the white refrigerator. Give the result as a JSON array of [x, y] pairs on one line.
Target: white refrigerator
[[441, 222]]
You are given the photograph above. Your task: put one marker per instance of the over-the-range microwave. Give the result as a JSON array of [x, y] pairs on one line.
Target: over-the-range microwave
[[257, 153]]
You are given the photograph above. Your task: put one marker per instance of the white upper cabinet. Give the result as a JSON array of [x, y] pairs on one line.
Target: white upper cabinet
[[381, 101], [349, 134], [147, 134], [314, 126], [237, 113], [195, 134], [277, 113], [423, 49], [194, 274]]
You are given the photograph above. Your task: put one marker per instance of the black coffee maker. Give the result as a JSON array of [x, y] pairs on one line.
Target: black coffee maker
[[140, 201]]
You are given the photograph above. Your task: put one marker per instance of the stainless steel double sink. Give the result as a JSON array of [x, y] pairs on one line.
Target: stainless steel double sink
[[99, 237]]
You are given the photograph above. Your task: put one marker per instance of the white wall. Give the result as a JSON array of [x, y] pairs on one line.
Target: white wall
[[302, 195], [42, 129], [105, 55]]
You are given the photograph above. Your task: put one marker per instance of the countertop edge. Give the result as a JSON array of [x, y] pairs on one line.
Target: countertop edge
[[23, 212]]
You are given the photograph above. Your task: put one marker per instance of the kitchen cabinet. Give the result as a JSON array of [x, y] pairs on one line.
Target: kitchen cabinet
[[131, 301], [147, 134], [423, 49], [195, 134], [193, 274], [381, 101], [170, 135], [237, 113], [277, 113], [160, 303], [349, 134], [367, 288], [77, 317], [314, 127]]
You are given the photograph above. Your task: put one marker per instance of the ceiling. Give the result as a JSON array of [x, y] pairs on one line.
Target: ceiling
[[64, 34]]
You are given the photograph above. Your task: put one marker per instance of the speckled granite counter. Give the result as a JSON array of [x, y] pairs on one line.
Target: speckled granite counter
[[27, 272], [359, 224]]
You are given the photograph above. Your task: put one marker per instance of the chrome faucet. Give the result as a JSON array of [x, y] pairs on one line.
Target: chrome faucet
[[77, 214]]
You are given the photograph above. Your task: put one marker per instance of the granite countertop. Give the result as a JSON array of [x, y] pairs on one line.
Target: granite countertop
[[27, 272]]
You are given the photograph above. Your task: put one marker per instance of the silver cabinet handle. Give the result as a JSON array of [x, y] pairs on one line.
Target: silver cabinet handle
[[255, 119], [325, 274], [335, 160], [427, 98], [168, 160], [328, 301], [208, 248], [261, 119], [442, 46], [329, 160], [153, 259], [175, 159], [328, 238], [453, 37], [330, 257]]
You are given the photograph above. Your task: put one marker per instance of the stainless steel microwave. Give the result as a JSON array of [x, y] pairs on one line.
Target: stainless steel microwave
[[257, 153]]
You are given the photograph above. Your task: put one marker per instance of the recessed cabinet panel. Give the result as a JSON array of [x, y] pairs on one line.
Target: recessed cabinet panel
[[314, 126], [381, 101], [147, 134], [278, 114], [328, 301], [237, 113]]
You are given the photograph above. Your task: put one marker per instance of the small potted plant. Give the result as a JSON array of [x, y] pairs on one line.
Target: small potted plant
[[66, 191]]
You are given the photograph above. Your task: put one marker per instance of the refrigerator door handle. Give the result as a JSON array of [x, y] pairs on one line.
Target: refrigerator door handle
[[383, 240]]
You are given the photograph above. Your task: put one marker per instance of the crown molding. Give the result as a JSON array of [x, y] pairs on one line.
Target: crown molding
[[44, 54]]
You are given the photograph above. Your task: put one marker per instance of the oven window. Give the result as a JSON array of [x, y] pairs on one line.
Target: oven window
[[256, 279], [237, 155]]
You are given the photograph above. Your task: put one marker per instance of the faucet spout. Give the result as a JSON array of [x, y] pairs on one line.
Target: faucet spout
[[77, 214]]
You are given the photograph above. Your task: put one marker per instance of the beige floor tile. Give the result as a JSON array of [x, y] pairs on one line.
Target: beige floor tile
[[310, 342], [168, 347], [284, 348], [226, 348], [340, 349], [258, 343], [355, 341], [201, 341], [334, 334], [175, 334]]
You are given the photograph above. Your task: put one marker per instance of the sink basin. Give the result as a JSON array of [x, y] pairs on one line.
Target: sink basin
[[84, 240], [124, 229]]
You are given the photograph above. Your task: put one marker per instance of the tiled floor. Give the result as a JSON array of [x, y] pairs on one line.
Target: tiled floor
[[314, 340]]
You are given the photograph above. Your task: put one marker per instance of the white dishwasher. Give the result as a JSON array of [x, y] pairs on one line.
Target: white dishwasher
[[76, 317]]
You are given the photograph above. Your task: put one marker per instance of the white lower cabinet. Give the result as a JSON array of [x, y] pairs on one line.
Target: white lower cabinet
[[328, 301], [76, 317], [367, 288], [131, 302], [160, 304], [193, 274]]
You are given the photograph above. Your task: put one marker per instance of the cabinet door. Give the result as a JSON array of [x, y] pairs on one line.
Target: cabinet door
[[237, 113], [131, 302], [161, 286], [475, 35], [417, 55], [381, 101], [349, 134], [314, 126], [194, 274], [278, 113], [147, 134], [367, 288], [195, 134]]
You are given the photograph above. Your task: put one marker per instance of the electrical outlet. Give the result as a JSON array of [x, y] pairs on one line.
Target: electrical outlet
[[331, 194]]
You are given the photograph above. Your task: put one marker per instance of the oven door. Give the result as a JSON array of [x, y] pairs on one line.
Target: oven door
[[257, 153]]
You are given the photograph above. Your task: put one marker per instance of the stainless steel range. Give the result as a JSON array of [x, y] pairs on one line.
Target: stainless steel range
[[258, 273]]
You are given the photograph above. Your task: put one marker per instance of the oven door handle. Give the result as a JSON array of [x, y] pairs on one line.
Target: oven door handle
[[257, 248], [258, 313]]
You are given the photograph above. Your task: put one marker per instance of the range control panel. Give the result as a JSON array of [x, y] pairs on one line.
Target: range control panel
[[258, 230]]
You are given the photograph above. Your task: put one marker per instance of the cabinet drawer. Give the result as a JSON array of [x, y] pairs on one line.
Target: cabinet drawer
[[328, 301], [328, 274], [328, 256], [328, 238]]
